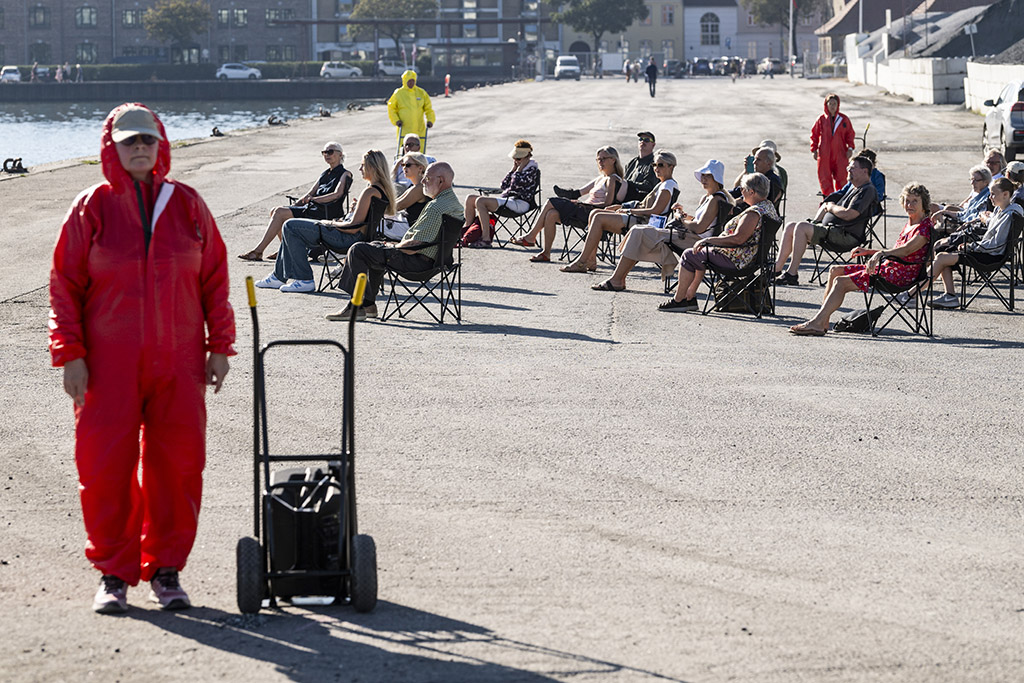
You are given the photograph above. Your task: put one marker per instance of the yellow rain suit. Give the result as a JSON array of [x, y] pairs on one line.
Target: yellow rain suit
[[410, 105]]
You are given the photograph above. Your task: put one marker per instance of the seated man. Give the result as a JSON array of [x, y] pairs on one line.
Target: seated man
[[764, 163], [842, 222], [410, 143], [373, 257], [640, 177], [877, 177], [995, 162]]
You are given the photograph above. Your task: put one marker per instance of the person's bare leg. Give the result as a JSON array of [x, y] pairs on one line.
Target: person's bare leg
[[595, 231], [470, 210], [550, 223], [683, 286], [944, 265], [785, 246], [622, 268], [801, 238], [541, 222], [484, 207], [691, 290], [837, 290], [277, 218]]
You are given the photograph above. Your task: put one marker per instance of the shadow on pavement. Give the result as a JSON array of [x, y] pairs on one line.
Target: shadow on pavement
[[394, 643], [496, 329], [503, 289]]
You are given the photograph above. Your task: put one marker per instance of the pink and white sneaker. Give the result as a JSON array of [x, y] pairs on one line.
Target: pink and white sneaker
[[111, 596], [167, 591]]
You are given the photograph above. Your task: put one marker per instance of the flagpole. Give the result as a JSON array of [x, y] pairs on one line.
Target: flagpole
[[792, 39]]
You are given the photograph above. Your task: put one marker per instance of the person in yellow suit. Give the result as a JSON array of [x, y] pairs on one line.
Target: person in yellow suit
[[408, 106]]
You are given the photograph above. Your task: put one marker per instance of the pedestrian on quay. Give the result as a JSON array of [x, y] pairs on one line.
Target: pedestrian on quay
[[141, 323], [832, 145], [627, 69], [652, 75], [78, 73], [33, 77], [408, 106]]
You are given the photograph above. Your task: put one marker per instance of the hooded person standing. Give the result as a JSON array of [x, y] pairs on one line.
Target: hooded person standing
[[408, 106], [832, 145], [141, 323]]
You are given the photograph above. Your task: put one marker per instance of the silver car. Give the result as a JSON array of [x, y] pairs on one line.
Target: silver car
[[1004, 122]]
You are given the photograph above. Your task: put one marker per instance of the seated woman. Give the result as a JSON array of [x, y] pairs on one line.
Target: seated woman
[[615, 219], [952, 216], [989, 249], [597, 194], [736, 247], [647, 243], [299, 234], [911, 248], [324, 200], [411, 203], [517, 192]]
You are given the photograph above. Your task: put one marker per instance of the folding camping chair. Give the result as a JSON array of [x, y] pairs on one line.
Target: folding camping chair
[[750, 289], [440, 284], [371, 228], [985, 274]]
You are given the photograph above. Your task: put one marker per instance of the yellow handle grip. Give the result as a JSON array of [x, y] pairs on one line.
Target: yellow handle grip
[[250, 289], [357, 296]]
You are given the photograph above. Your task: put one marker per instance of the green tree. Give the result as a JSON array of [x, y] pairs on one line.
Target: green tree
[[598, 17], [777, 12], [176, 21], [393, 9]]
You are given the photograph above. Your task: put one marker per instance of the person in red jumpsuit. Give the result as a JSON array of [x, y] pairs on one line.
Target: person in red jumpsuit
[[140, 322], [832, 145]]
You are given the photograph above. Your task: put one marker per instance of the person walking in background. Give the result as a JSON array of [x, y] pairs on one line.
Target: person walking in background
[[652, 75], [407, 108], [34, 77], [627, 69], [141, 323], [832, 145], [78, 73]]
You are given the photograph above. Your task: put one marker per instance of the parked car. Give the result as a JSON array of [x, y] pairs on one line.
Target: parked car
[[1004, 122], [700, 67], [339, 70], [43, 74], [233, 70], [567, 66], [771, 65], [672, 68], [386, 68], [749, 66], [10, 74]]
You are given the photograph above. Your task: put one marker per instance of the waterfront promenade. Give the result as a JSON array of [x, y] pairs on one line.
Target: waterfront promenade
[[569, 485]]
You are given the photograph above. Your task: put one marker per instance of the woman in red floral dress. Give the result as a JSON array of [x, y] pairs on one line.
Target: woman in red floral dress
[[911, 246]]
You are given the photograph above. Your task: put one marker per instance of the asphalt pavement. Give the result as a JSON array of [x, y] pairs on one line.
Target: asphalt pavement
[[568, 485]]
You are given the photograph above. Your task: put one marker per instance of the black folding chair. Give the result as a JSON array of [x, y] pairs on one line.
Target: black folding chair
[[726, 212], [332, 257], [337, 208], [985, 274], [440, 284], [750, 289], [574, 233], [515, 224], [912, 309], [835, 253]]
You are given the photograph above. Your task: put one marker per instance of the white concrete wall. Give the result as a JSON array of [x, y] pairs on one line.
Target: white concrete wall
[[986, 81], [927, 80]]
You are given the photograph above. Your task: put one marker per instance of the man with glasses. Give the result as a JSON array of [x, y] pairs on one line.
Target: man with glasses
[[411, 143], [841, 222], [640, 178]]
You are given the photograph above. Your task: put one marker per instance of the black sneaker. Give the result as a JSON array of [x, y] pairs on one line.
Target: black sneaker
[[680, 306], [787, 279], [111, 596]]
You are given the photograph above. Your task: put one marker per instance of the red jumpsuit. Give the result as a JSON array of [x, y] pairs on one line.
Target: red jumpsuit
[[143, 322], [831, 137]]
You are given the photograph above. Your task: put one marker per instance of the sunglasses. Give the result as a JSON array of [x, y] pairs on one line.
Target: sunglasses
[[407, 165], [146, 140], [600, 159], [662, 165], [646, 140], [977, 180], [328, 152]]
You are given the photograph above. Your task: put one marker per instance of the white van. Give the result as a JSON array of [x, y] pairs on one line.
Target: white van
[[567, 66]]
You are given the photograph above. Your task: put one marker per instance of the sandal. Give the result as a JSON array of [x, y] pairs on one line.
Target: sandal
[[251, 256], [272, 256], [523, 242], [804, 331], [540, 258], [578, 267], [607, 286]]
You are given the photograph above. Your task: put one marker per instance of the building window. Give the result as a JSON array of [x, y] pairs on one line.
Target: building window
[[668, 49], [668, 15], [1, 24], [39, 52], [709, 29], [85, 17], [646, 21], [645, 49], [223, 18], [752, 49], [223, 53], [530, 7], [806, 21], [39, 17], [131, 18], [239, 53], [280, 53], [272, 16], [625, 46], [85, 53], [241, 17], [750, 20]]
